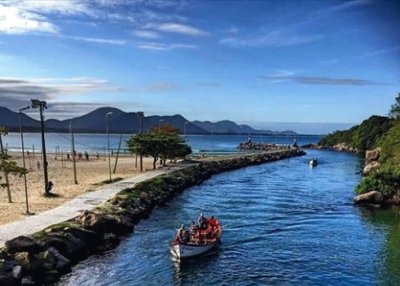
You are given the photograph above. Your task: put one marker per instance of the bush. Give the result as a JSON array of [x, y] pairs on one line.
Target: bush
[[374, 183]]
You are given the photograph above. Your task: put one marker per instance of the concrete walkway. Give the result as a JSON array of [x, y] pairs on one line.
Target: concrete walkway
[[72, 208]]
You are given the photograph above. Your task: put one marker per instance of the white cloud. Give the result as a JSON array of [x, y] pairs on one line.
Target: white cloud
[[351, 4], [158, 87], [24, 16], [271, 39], [147, 34], [162, 46], [100, 40], [16, 21], [180, 29]]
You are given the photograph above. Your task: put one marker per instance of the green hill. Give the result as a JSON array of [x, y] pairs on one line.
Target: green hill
[[376, 131]]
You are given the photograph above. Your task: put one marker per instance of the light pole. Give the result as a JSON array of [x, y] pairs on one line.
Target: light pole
[[140, 114], [108, 144], [36, 103], [184, 127], [23, 156], [159, 124]]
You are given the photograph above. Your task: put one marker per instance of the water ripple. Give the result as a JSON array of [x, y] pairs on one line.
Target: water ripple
[[284, 224]]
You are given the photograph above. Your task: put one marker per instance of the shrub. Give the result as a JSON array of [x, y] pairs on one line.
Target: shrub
[[374, 183]]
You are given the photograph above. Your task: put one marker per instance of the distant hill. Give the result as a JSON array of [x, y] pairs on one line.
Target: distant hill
[[125, 122], [230, 127]]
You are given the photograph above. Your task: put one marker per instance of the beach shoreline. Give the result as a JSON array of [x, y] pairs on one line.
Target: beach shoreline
[[91, 174]]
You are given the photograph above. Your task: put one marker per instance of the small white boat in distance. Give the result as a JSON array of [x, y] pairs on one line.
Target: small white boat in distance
[[198, 241], [313, 162]]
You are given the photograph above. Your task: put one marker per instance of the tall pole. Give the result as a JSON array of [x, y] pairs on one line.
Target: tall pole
[[141, 117], [73, 151], [42, 105], [23, 157], [108, 145]]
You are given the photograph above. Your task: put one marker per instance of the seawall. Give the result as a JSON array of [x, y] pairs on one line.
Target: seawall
[[46, 255]]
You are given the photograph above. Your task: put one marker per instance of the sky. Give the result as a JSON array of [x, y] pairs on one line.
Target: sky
[[259, 62]]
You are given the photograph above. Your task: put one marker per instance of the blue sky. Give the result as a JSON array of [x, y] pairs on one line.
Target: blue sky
[[249, 61]]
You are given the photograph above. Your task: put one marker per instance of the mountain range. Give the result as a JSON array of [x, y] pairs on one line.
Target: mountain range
[[126, 122]]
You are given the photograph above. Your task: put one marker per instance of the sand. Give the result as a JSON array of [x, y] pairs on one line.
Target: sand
[[89, 174]]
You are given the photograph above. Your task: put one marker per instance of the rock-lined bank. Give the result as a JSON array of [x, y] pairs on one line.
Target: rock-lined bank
[[341, 147], [44, 256]]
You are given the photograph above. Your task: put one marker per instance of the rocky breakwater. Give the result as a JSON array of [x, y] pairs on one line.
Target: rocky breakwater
[[341, 147], [44, 256]]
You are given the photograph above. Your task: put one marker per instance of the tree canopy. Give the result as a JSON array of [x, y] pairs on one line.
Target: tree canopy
[[395, 108], [162, 142], [362, 137]]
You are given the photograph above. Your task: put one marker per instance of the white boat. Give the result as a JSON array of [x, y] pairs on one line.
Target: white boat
[[313, 162], [199, 242]]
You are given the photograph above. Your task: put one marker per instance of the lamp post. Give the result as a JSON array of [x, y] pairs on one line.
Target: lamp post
[[36, 103], [108, 144], [23, 156], [140, 114], [184, 127]]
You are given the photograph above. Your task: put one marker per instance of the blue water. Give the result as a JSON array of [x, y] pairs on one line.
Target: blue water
[[284, 224], [98, 142]]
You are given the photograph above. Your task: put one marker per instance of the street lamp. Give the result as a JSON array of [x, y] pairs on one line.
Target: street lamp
[[140, 114], [23, 156], [184, 127], [36, 103], [108, 144]]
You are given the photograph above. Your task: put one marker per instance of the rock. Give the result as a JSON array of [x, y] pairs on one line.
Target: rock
[[22, 244], [88, 236], [17, 272], [97, 222], [27, 280], [372, 197], [372, 155], [76, 247], [7, 280], [23, 259], [63, 264], [47, 260], [371, 167], [27, 261], [51, 276], [125, 225]]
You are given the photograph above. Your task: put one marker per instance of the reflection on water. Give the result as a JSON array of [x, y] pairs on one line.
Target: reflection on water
[[388, 221], [284, 224]]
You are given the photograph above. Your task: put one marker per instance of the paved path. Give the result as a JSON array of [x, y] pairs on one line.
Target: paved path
[[72, 208]]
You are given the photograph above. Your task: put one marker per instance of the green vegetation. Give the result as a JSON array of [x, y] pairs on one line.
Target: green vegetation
[[361, 137], [7, 166], [377, 131], [162, 142]]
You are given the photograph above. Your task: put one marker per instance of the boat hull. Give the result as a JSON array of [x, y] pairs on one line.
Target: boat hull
[[187, 251]]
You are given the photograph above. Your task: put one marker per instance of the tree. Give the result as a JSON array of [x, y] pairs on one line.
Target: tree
[[395, 108], [163, 142], [7, 167]]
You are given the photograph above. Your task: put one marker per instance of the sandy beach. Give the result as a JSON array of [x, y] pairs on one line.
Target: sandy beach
[[89, 175]]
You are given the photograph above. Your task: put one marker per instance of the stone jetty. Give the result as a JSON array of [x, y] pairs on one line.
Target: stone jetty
[[41, 258]]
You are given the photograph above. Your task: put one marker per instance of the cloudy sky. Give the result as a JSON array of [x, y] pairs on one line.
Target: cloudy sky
[[249, 61]]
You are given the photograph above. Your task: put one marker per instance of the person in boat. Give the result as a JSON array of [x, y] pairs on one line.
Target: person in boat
[[193, 228], [202, 220], [182, 235]]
